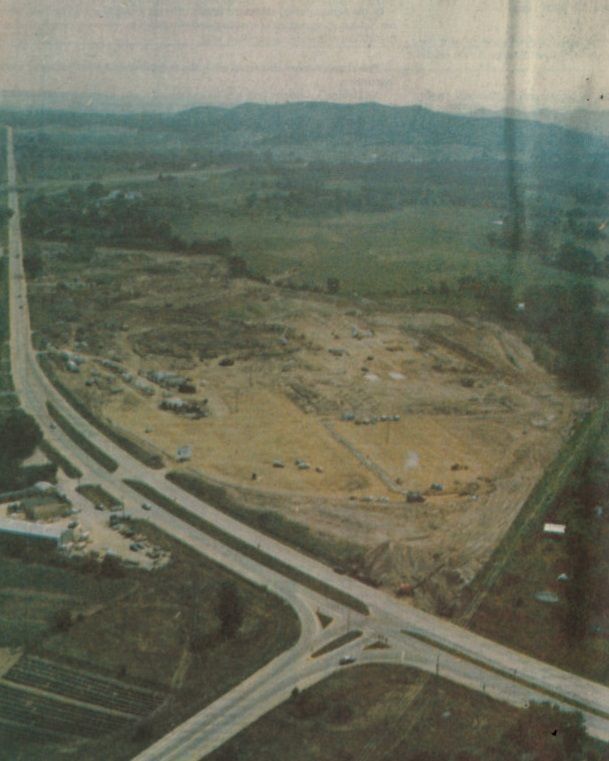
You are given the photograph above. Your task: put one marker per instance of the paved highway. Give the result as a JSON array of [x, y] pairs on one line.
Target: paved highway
[[467, 658]]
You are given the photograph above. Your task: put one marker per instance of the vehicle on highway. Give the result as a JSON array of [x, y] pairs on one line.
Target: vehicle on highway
[[346, 660]]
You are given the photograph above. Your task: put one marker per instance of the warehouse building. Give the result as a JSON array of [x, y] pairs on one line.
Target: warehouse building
[[47, 535]]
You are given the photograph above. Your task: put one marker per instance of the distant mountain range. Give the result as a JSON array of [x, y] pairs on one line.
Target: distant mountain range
[[94, 103], [365, 131], [372, 124], [585, 120]]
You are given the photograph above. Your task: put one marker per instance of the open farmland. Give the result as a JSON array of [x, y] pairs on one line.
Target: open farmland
[[63, 671], [381, 712], [327, 409]]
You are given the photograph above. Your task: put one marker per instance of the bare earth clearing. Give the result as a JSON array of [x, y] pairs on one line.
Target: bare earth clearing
[[376, 401]]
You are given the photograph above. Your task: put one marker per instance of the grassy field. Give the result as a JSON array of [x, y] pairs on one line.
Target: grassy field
[[139, 626], [82, 441], [531, 517], [566, 632], [430, 228], [384, 253], [32, 593], [377, 713]]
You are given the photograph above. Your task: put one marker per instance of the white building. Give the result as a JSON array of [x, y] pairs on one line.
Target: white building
[[554, 529], [36, 532]]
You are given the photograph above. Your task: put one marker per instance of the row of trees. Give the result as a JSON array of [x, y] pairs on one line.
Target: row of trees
[[91, 217]]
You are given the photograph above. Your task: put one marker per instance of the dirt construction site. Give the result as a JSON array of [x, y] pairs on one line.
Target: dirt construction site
[[416, 436]]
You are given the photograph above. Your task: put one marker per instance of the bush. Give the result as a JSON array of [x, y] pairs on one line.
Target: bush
[[62, 620]]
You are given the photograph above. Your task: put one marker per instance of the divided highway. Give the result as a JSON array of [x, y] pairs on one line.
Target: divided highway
[[416, 638]]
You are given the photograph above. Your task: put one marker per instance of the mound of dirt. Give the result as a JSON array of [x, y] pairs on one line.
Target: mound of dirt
[[434, 579], [393, 563]]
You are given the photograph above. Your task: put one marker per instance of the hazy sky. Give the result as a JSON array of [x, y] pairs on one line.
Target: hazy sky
[[438, 52]]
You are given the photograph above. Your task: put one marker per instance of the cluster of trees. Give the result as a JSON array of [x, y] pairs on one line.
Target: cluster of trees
[[322, 188], [580, 260], [19, 437], [581, 227], [564, 318], [82, 215], [230, 610], [568, 320], [93, 217]]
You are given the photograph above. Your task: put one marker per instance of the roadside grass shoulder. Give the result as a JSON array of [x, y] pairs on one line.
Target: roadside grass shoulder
[[6, 381], [313, 543], [81, 440], [338, 642], [54, 456], [141, 453], [367, 712], [97, 495], [247, 549]]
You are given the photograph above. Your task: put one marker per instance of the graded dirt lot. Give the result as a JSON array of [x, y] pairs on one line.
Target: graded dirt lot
[[325, 409]]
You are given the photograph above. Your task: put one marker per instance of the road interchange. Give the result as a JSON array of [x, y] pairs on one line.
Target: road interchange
[[415, 638]]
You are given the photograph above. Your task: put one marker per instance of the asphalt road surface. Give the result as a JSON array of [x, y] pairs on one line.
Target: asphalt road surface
[[464, 657]]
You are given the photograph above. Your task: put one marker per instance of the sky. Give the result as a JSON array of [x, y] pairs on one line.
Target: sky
[[454, 54]]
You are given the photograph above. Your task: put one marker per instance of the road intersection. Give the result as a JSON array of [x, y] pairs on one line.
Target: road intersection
[[415, 638]]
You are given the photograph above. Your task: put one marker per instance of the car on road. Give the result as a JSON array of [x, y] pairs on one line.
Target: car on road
[[346, 660], [146, 506]]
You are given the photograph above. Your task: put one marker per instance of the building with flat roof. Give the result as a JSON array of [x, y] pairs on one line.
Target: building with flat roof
[[554, 529], [44, 533]]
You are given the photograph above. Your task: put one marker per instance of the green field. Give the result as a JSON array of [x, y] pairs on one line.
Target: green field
[[383, 230], [384, 253], [32, 593], [384, 713], [139, 626], [573, 631]]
